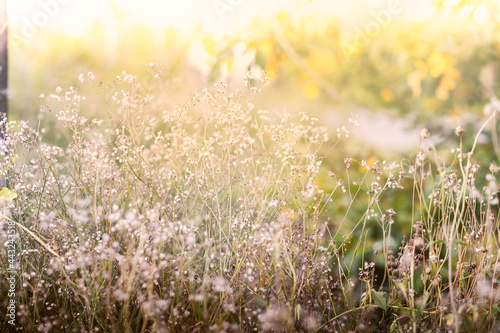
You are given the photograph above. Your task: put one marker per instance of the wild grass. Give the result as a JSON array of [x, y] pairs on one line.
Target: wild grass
[[208, 217]]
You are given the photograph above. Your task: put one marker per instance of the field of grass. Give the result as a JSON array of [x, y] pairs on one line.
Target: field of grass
[[217, 216]]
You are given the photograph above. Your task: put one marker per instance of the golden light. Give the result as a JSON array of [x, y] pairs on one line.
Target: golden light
[[481, 14]]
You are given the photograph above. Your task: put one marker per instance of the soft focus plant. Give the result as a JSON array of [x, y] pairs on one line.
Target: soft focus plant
[[208, 216]]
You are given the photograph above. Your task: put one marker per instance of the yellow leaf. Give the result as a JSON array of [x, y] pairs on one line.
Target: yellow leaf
[[229, 65], [442, 93], [266, 48], [7, 195], [439, 63], [209, 45], [421, 66], [273, 72], [414, 80], [311, 91], [447, 83], [387, 95], [371, 161], [288, 212], [449, 79]]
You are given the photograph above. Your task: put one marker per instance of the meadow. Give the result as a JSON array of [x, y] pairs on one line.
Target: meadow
[[319, 170], [217, 216]]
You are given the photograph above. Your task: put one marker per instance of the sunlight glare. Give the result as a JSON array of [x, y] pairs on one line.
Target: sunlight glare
[[451, 3], [466, 10], [481, 14]]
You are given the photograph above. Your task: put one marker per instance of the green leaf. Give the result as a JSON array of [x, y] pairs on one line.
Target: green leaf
[[475, 312], [449, 319], [260, 59], [378, 297], [215, 72], [259, 301], [7, 195], [495, 309], [297, 311], [449, 170], [394, 326], [437, 241]]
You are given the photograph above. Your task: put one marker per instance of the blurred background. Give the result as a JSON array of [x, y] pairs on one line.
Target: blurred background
[[396, 65]]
